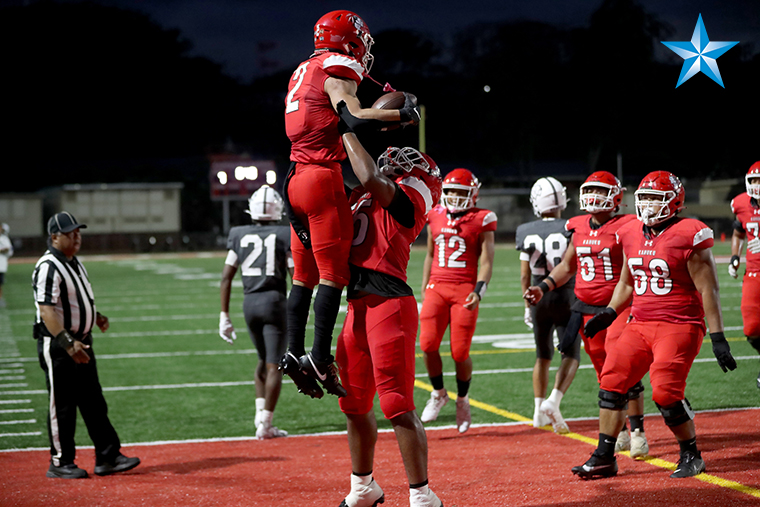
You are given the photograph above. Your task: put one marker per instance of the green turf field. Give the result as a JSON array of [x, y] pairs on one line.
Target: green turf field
[[168, 375]]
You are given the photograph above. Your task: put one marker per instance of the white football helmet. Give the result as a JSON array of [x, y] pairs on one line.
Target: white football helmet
[[547, 194], [5, 228], [265, 204]]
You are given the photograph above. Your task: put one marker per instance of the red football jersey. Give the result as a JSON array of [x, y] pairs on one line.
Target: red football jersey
[[662, 287], [457, 243], [380, 243], [749, 216], [600, 257], [310, 120]]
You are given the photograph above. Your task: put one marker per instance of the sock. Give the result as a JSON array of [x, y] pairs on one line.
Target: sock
[[637, 423], [299, 303], [537, 403], [260, 404], [361, 479], [556, 396], [326, 306], [606, 445], [689, 445], [463, 386], [266, 418], [437, 382]]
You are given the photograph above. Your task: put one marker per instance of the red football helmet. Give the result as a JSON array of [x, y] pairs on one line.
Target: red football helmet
[[346, 32], [595, 202], [659, 197], [753, 189], [400, 162], [461, 180]]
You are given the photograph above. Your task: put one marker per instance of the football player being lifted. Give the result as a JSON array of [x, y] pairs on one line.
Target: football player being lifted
[[746, 207], [596, 260], [670, 273], [316, 203], [542, 244], [459, 237]]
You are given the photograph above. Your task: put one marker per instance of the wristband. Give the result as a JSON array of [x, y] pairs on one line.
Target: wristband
[[734, 261], [65, 339], [544, 287], [718, 337], [480, 289], [554, 284]]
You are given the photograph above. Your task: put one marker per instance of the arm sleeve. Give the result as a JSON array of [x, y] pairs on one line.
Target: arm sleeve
[[401, 208]]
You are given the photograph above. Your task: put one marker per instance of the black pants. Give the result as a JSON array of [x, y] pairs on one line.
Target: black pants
[[75, 386]]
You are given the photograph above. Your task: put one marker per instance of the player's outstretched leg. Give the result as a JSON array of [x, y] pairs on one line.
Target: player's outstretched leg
[[324, 371], [365, 492], [290, 365]]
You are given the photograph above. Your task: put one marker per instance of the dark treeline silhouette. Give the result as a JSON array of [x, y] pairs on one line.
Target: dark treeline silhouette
[[100, 94]]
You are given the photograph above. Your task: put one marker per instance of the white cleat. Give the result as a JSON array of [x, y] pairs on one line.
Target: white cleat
[[363, 496], [433, 406], [623, 442], [426, 498], [552, 412], [639, 445], [264, 432], [540, 420], [463, 414]]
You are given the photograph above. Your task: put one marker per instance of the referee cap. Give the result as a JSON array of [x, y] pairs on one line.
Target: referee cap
[[63, 222]]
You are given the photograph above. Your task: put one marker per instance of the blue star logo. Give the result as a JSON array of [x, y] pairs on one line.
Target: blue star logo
[[699, 54]]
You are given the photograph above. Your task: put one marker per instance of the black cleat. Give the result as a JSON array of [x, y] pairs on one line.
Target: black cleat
[[70, 471], [597, 466], [326, 372], [290, 365], [119, 464], [688, 466]]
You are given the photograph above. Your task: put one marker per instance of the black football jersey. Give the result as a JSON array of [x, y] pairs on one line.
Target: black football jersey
[[544, 242], [262, 253]]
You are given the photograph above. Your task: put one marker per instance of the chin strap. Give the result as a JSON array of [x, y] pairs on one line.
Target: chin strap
[[386, 87]]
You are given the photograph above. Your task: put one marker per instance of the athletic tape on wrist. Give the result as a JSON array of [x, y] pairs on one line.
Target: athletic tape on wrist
[[480, 289]]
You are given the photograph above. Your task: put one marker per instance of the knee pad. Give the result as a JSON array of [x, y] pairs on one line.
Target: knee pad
[[755, 342], [635, 391], [676, 413], [612, 401]]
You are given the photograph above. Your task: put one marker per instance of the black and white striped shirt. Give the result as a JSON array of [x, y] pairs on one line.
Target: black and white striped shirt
[[61, 283]]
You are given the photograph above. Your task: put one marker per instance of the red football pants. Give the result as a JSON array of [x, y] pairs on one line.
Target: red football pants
[[664, 349], [751, 304], [318, 199], [376, 354], [599, 346], [444, 306]]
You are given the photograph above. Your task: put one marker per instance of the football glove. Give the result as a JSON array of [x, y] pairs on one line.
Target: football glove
[[528, 318], [410, 113], [722, 351], [753, 246], [600, 322], [733, 266], [226, 329]]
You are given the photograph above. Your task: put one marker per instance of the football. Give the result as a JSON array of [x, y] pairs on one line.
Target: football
[[392, 100]]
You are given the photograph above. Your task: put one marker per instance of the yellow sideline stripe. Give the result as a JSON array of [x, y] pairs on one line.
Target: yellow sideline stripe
[[711, 479]]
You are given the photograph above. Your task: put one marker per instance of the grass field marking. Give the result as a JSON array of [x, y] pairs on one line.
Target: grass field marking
[[13, 402], [478, 404], [19, 421], [16, 410], [26, 434]]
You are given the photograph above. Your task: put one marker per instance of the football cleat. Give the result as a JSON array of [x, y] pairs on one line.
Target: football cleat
[[597, 466], [363, 496], [264, 432], [433, 406], [551, 410], [623, 442], [464, 418], [424, 497], [290, 365], [326, 372], [639, 445], [688, 465]]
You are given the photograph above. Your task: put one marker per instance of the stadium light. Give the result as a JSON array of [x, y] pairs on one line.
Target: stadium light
[[222, 177], [271, 177], [246, 172]]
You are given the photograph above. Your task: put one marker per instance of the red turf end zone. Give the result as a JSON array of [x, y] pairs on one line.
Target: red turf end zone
[[489, 466]]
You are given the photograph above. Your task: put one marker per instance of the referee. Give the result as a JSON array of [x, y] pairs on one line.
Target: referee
[[65, 317]]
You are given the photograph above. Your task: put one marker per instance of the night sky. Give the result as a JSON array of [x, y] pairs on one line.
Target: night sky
[[232, 32]]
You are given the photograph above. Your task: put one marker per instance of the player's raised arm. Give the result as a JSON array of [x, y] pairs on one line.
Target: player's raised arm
[[370, 177]]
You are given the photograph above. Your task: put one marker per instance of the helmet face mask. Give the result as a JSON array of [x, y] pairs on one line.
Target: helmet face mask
[[396, 163], [548, 195], [460, 190], [265, 205], [753, 189], [346, 32], [601, 192], [660, 196]]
